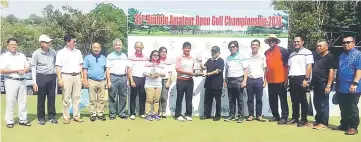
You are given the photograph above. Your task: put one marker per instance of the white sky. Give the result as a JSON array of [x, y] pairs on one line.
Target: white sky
[[24, 8]]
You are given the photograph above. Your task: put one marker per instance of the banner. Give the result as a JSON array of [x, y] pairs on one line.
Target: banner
[[204, 29]]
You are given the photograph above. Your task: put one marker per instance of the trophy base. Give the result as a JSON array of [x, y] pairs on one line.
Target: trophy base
[[197, 73]]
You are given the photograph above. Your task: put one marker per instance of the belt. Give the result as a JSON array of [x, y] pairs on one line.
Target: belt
[[13, 78], [182, 78], [118, 75], [72, 74], [294, 76]]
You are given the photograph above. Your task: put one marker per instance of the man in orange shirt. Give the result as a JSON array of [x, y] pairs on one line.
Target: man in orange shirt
[[276, 76]]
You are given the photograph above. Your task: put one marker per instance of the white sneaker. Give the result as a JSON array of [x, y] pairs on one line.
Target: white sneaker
[[142, 116], [188, 118], [132, 117], [180, 118]]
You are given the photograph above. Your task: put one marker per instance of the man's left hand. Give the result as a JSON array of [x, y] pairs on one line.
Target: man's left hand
[[353, 88], [304, 83]]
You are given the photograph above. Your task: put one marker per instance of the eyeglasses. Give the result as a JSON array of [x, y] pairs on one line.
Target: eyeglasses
[[347, 42], [232, 46], [254, 44]]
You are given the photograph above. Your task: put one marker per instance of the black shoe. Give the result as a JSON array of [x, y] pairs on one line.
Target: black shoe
[[217, 118], [124, 117], [10, 125], [301, 123], [230, 118], [282, 121], [41, 122], [205, 117], [53, 121], [240, 119], [274, 119], [293, 121], [111, 117], [92, 118], [164, 116], [102, 118], [27, 123], [340, 128]]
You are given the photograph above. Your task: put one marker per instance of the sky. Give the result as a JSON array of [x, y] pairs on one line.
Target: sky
[[24, 8]]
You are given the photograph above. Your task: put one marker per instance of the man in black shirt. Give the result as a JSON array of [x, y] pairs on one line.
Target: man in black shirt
[[213, 84], [322, 78]]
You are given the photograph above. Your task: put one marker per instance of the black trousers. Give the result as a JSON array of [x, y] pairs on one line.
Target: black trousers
[[298, 96], [208, 101], [321, 102], [134, 92], [235, 98], [254, 88], [184, 87], [349, 110], [46, 85], [278, 91]]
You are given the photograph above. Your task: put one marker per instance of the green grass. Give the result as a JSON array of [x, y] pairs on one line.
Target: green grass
[[140, 33], [166, 130]]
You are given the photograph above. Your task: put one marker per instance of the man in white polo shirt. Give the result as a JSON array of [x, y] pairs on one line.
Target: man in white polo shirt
[[300, 67], [255, 82], [14, 66], [69, 64]]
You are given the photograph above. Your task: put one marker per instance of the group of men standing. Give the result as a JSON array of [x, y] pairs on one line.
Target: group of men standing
[[276, 68]]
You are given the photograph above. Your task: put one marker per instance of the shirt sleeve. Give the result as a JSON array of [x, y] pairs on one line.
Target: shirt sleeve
[[285, 56], [3, 63], [309, 58], [34, 61], [81, 61], [178, 63], [86, 62], [59, 61], [358, 62], [220, 65], [331, 63], [108, 62], [26, 62], [130, 63], [264, 62]]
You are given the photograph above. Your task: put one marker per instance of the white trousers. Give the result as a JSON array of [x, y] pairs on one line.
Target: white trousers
[[15, 91]]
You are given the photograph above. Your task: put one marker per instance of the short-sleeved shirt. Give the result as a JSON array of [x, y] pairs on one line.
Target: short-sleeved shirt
[[150, 67], [95, 66], [137, 65], [186, 63], [321, 67], [277, 60], [15, 61], [235, 64], [256, 65], [69, 60], [117, 62], [298, 62], [168, 66], [349, 63], [214, 81]]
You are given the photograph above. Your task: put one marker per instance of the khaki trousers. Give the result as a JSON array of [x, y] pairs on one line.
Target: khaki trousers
[[96, 97], [152, 99], [71, 90]]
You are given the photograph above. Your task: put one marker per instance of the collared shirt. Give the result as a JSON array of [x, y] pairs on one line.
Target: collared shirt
[[298, 62], [96, 67], [43, 62], [235, 64], [117, 63], [214, 81], [349, 63], [69, 60], [256, 65], [168, 66], [137, 65], [186, 63], [277, 60], [150, 67], [15, 61]]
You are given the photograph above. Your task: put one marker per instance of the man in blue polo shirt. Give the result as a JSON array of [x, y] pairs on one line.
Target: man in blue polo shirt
[[349, 86], [94, 79]]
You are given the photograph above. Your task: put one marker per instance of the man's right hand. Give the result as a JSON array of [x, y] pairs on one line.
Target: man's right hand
[[60, 83], [35, 87], [225, 84], [86, 84], [21, 72], [109, 84]]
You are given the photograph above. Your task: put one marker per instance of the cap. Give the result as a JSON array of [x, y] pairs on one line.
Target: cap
[[216, 49], [44, 38]]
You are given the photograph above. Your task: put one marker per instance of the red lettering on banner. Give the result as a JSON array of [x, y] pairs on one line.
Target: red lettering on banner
[[203, 21], [174, 20], [217, 21]]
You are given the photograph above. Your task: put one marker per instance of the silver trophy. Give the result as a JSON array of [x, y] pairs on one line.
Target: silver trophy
[[197, 70], [153, 73]]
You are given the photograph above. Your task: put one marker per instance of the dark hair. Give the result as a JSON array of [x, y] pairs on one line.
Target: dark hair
[[301, 37], [235, 43], [68, 38], [349, 36], [163, 48], [11, 39], [150, 57], [187, 44], [256, 40]]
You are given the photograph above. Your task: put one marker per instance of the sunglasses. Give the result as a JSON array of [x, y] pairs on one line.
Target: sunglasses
[[347, 42]]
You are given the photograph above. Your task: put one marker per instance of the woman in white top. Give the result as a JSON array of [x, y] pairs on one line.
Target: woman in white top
[[154, 72], [166, 81]]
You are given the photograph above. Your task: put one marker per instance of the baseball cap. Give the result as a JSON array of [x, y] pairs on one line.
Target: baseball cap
[[44, 38], [216, 49]]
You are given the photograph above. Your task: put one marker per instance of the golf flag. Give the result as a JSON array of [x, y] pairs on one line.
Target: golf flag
[[4, 3]]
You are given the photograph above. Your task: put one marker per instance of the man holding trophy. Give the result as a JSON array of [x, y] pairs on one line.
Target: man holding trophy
[[213, 84]]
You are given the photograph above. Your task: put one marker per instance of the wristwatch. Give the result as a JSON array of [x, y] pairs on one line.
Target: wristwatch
[[354, 83]]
